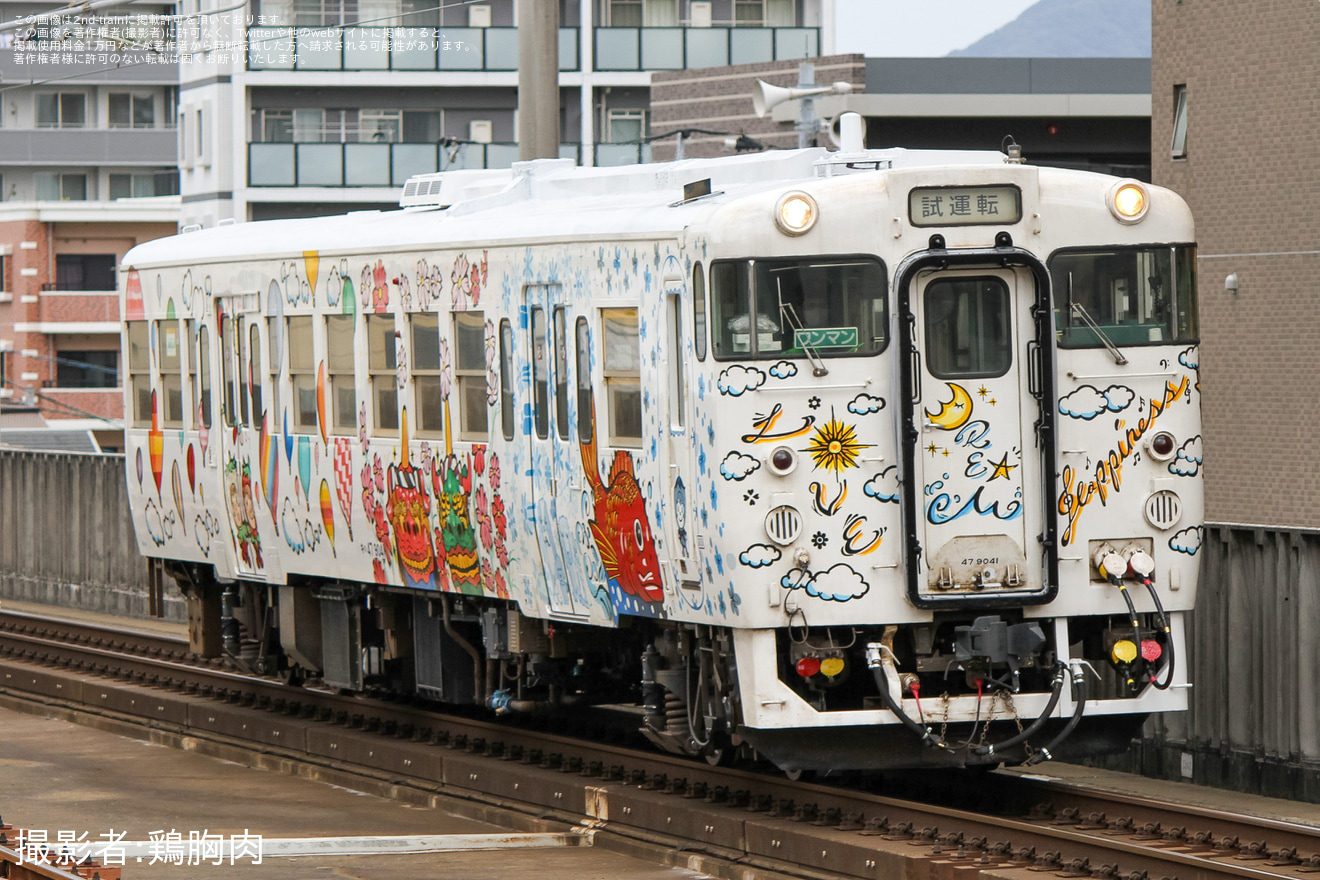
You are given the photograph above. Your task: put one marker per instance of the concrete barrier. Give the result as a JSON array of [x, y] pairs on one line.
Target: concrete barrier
[[66, 536]]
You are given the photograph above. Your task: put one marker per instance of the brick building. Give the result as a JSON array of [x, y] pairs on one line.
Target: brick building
[[60, 346]]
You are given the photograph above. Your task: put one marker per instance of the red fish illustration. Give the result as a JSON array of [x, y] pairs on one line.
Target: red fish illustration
[[621, 528]]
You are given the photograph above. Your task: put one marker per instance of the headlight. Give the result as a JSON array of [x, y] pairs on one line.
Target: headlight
[[795, 213], [1129, 201]]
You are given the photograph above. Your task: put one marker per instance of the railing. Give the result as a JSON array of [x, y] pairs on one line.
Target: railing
[[389, 165], [496, 49]]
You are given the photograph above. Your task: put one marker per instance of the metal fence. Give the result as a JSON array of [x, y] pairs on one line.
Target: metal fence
[[66, 536]]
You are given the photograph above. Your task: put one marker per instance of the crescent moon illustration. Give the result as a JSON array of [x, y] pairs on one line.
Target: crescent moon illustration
[[954, 414]]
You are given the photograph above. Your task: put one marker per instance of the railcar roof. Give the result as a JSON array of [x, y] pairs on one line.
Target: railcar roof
[[545, 199]]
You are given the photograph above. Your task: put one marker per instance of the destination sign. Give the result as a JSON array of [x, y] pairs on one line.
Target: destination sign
[[964, 205], [825, 337]]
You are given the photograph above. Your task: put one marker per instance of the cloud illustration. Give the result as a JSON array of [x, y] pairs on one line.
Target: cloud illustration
[[759, 556], [1187, 541], [1087, 402], [783, 370], [1187, 463], [864, 404], [839, 583], [738, 380], [737, 466], [884, 485], [1190, 358]]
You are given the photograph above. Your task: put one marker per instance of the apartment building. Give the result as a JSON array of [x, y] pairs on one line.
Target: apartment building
[[337, 102], [87, 170]]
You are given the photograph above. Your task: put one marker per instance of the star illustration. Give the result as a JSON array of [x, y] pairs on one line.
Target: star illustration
[[1002, 469], [983, 391], [993, 401], [931, 449]]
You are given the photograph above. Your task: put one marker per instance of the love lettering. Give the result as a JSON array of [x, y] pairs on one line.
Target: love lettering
[[1109, 471]]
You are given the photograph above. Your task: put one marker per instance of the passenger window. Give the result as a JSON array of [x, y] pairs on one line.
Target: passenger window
[[540, 377], [254, 371], [340, 379], [302, 373], [623, 375], [506, 379], [171, 375], [273, 329], [470, 371], [426, 374], [826, 307], [677, 381], [382, 362], [967, 328], [561, 375], [699, 311], [190, 328], [585, 403], [204, 375], [241, 380], [139, 366], [227, 330]]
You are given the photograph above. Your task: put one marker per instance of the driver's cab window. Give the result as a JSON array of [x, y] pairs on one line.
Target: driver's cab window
[[833, 307]]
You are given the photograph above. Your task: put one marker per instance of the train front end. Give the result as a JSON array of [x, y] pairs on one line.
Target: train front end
[[955, 450]]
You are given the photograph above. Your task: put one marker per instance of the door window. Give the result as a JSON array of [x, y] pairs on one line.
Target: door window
[[967, 328]]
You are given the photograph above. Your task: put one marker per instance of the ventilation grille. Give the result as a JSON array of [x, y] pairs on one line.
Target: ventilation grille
[[783, 524], [1164, 509]]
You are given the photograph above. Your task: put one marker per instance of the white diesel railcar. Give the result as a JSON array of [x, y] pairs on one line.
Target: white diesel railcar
[[866, 458]]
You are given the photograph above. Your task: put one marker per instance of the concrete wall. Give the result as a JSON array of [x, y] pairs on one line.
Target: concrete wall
[[66, 536]]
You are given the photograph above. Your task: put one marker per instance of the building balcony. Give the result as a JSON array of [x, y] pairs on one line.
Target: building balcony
[[89, 146], [390, 165], [496, 49]]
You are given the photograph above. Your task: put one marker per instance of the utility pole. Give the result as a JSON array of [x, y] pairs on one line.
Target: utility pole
[[538, 79]]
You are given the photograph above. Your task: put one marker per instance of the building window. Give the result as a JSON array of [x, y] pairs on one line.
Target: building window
[[139, 367], [625, 126], [61, 187], [339, 366], [643, 13], [382, 361], [302, 372], [1179, 147], [62, 110], [623, 375], [131, 110], [85, 271], [87, 369], [144, 185], [171, 375], [329, 13], [426, 374], [764, 13], [470, 371]]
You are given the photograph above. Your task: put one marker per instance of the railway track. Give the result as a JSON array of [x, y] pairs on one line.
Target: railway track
[[724, 821]]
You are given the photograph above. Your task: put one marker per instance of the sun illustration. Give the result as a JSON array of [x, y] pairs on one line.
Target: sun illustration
[[835, 445]]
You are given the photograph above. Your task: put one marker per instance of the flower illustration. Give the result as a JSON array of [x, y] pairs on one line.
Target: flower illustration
[[483, 516], [494, 472], [479, 458], [819, 540], [751, 496], [497, 515], [814, 403]]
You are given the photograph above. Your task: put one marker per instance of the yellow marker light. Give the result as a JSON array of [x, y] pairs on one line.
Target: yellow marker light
[[1123, 651], [831, 666], [795, 213], [1129, 201]]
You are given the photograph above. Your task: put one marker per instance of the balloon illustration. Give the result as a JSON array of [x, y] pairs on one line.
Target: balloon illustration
[[268, 457], [139, 466], [328, 515], [344, 479], [192, 470], [288, 440], [203, 433], [305, 464], [311, 260], [320, 400], [156, 443], [177, 485]]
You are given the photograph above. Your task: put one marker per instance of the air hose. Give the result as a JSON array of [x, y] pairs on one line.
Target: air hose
[[1056, 690], [1168, 635], [874, 662], [1079, 708]]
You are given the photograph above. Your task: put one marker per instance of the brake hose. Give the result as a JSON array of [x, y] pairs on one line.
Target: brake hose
[[1056, 690], [873, 661], [1168, 635], [1079, 707]]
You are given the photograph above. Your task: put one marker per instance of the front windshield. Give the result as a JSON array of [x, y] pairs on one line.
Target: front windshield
[[1135, 295]]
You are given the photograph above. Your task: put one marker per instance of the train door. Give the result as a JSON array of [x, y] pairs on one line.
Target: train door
[[681, 445], [546, 329], [241, 389], [977, 468]]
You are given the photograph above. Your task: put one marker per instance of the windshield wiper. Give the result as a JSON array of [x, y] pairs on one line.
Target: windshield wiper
[[1082, 313], [788, 315]]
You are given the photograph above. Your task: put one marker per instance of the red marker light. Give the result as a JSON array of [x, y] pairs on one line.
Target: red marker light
[[781, 459], [1151, 650], [1162, 444], [808, 666]]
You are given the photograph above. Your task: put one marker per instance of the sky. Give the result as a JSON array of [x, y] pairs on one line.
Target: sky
[[918, 28]]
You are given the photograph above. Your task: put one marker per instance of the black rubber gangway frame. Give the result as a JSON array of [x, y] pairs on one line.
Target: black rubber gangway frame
[[1041, 368]]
